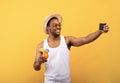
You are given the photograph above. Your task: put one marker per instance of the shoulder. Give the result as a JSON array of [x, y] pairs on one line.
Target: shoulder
[[40, 45], [68, 39]]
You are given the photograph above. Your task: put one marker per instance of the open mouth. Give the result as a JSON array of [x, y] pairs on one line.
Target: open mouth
[[58, 30]]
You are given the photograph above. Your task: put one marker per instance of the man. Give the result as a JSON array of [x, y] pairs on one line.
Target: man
[[57, 64]]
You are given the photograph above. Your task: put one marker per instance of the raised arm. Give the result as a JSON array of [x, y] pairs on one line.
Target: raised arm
[[73, 41]]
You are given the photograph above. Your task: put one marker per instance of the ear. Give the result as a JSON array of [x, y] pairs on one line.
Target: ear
[[47, 29]]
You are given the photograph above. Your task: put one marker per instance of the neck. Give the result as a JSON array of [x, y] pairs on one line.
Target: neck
[[53, 38]]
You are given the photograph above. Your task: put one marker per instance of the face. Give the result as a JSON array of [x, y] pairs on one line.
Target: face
[[54, 27]]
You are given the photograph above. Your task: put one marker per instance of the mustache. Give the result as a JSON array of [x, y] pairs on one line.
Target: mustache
[[58, 29]]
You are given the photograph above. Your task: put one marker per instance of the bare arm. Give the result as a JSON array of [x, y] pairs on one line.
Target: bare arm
[[87, 39], [39, 59]]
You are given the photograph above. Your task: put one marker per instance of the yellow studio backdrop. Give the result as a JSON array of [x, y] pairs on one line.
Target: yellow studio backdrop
[[21, 30]]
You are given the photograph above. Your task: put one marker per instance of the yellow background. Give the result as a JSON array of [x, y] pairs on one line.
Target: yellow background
[[21, 30]]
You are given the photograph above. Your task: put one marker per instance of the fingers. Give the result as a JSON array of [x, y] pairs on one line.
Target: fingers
[[42, 59], [106, 28]]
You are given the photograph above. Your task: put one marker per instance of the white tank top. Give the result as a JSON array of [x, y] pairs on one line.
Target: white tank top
[[58, 65]]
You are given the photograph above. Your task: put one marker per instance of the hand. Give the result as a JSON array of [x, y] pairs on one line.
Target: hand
[[105, 29], [42, 59]]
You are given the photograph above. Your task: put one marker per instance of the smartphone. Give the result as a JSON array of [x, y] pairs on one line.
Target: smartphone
[[101, 26]]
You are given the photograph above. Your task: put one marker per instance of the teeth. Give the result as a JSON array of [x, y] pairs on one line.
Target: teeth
[[58, 30]]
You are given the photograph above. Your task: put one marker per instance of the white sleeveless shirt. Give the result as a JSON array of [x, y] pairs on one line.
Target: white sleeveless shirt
[[58, 65]]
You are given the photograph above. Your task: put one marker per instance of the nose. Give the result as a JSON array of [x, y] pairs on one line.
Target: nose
[[58, 27]]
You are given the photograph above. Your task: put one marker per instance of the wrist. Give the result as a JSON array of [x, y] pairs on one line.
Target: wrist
[[100, 31]]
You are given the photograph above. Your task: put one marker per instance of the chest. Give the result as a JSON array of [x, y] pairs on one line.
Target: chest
[[53, 44]]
